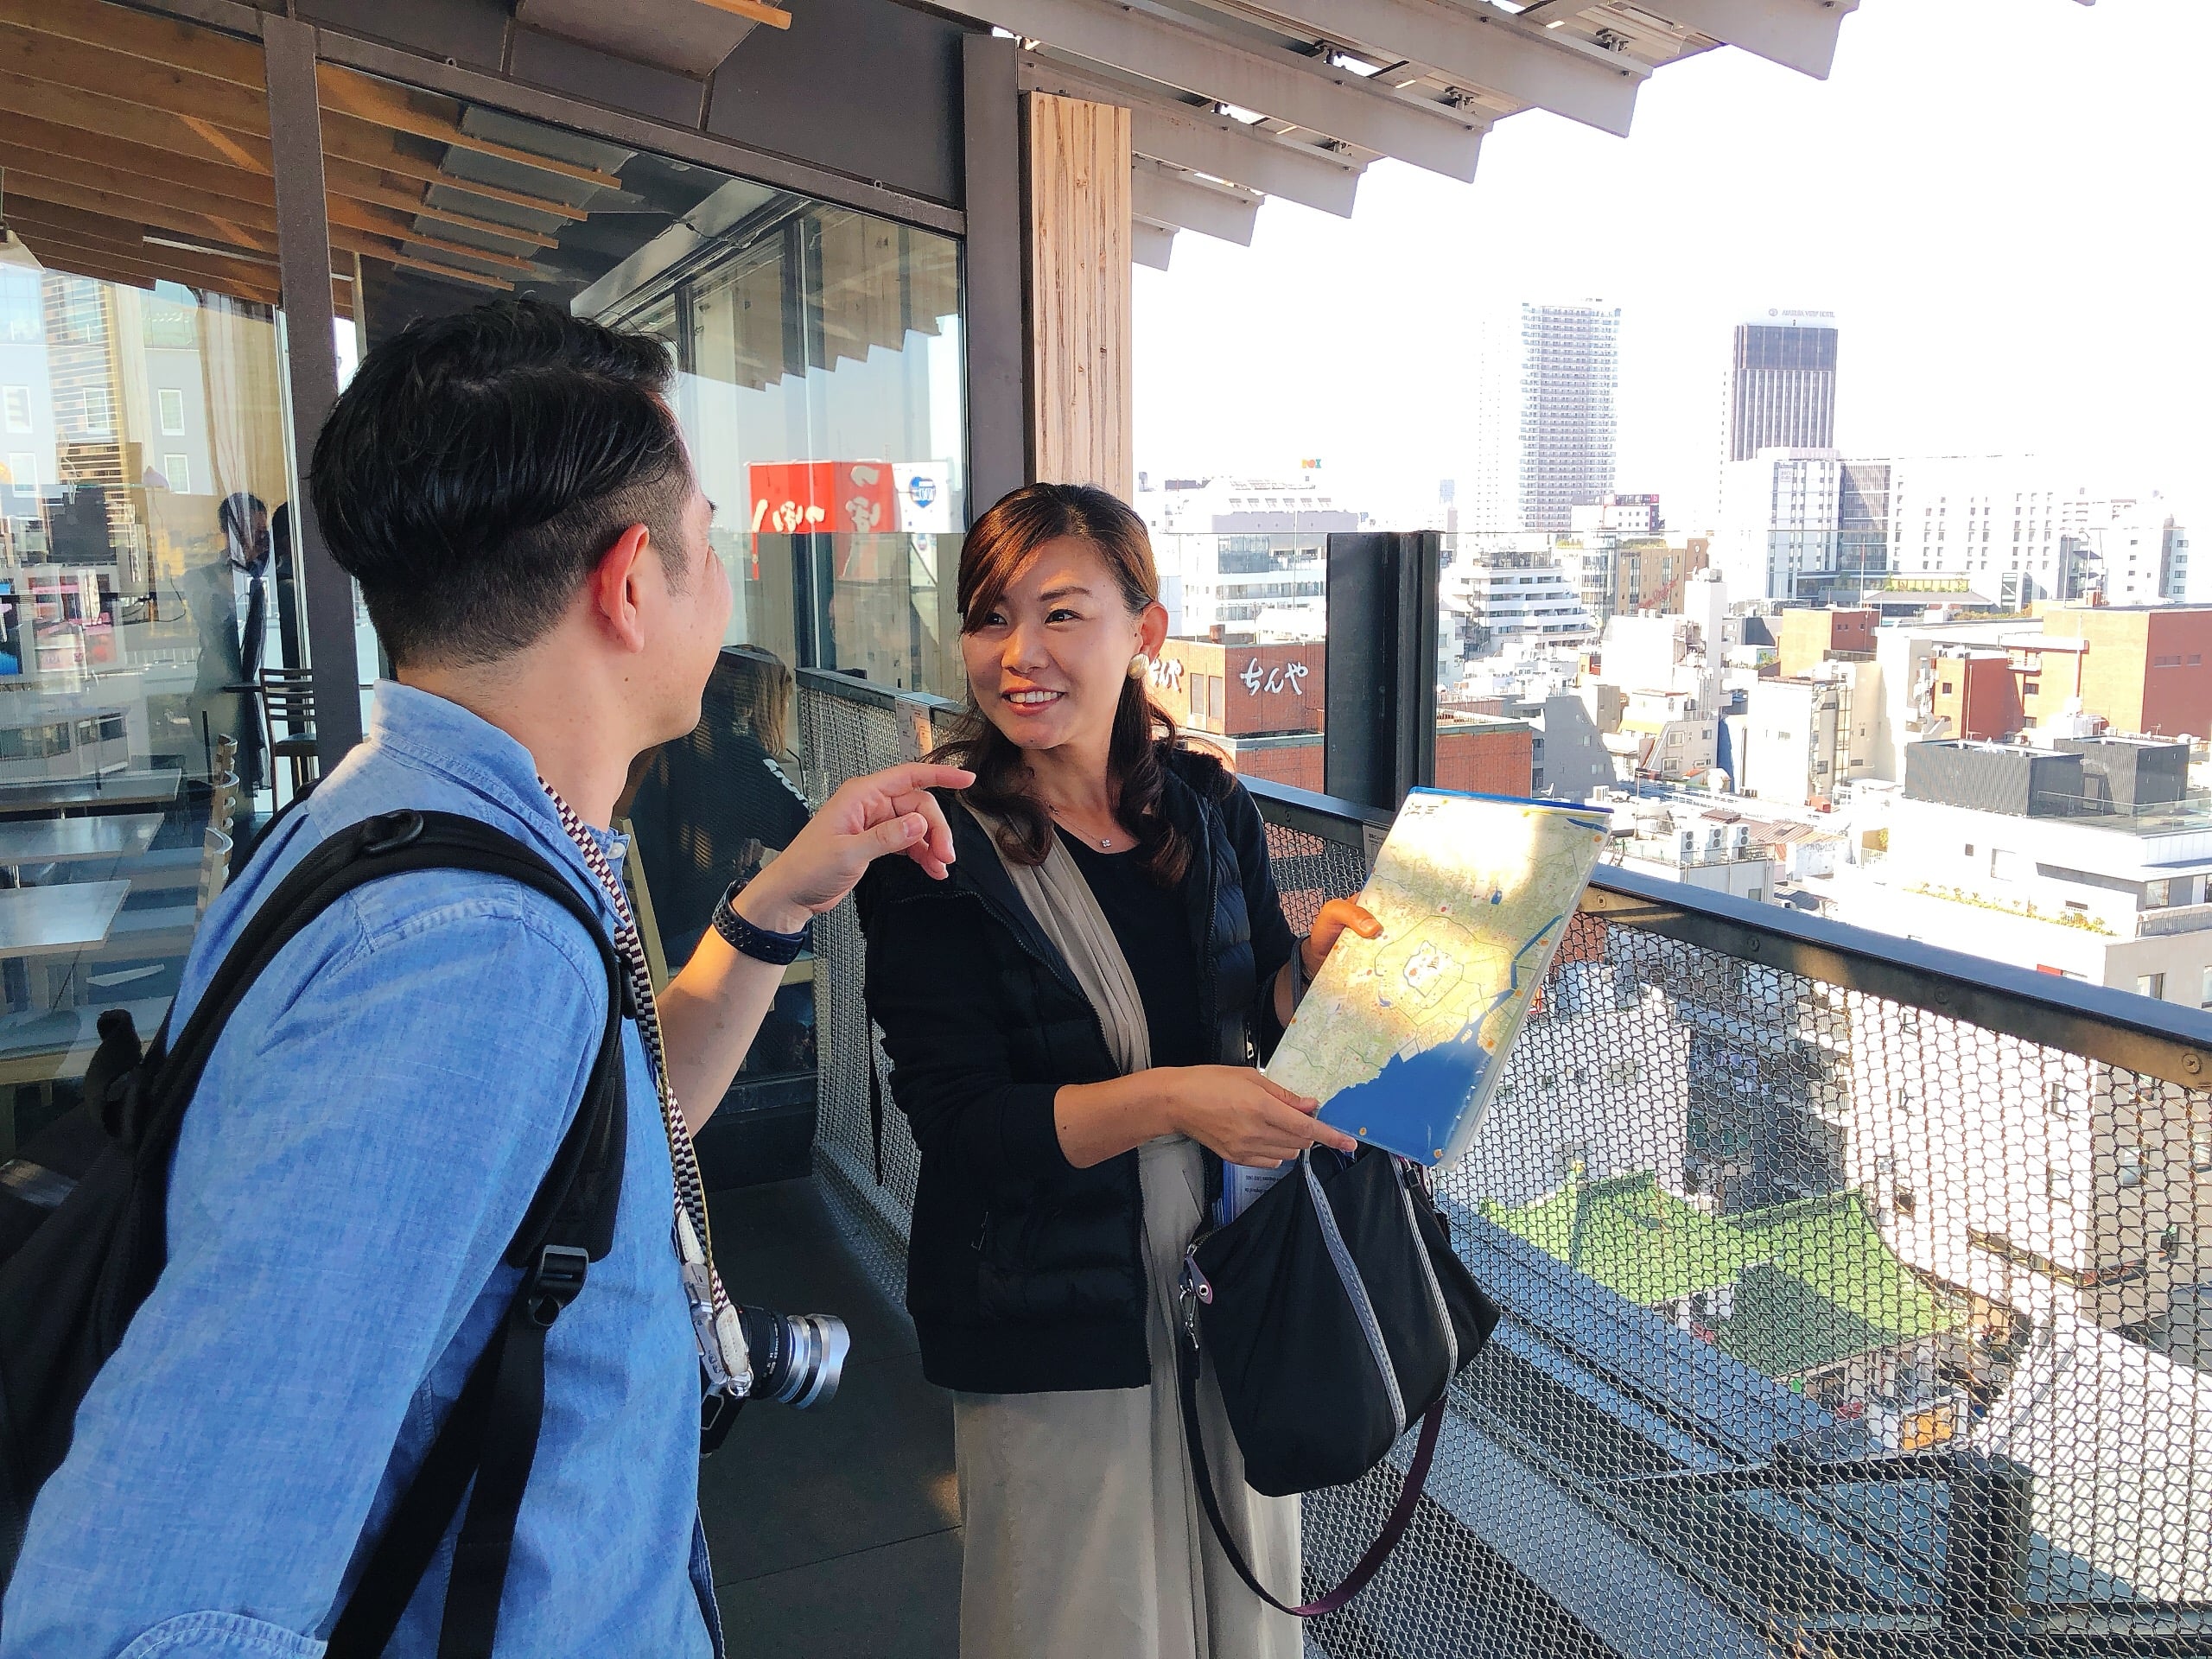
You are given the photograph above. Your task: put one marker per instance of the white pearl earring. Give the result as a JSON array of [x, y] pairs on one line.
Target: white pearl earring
[[1140, 665]]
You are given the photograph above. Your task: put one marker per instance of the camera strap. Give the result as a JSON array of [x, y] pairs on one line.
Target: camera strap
[[724, 1356]]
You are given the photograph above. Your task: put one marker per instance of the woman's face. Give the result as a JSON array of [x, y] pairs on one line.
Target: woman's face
[[1048, 662]]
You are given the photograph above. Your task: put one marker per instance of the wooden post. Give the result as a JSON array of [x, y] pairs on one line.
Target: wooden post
[[1076, 180]]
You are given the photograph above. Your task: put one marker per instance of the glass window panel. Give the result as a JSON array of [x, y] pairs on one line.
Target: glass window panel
[[820, 387], [145, 572]]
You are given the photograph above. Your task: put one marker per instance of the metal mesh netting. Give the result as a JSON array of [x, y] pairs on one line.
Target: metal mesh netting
[[1832, 1325], [864, 1152]]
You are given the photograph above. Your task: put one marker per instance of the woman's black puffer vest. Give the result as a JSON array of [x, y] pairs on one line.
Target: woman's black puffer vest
[[1024, 1273]]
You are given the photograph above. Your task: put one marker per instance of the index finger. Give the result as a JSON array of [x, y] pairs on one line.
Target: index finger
[[939, 839], [920, 775]]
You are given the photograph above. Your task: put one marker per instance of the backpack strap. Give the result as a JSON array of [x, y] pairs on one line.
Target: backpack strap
[[491, 1435]]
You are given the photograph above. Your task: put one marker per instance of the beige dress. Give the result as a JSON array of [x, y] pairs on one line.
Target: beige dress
[[1082, 1532]]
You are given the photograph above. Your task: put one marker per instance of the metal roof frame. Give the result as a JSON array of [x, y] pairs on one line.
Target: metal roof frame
[[1293, 97]]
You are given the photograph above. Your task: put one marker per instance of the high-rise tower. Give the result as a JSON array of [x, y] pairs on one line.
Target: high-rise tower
[[1781, 383], [1570, 367]]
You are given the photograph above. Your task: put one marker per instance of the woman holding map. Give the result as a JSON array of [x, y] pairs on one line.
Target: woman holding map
[[1072, 1020]]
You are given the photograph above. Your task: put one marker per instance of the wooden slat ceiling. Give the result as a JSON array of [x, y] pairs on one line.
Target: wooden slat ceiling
[[134, 148]]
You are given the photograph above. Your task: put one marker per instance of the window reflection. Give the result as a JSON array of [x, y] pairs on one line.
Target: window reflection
[[820, 388], [146, 579], [712, 807]]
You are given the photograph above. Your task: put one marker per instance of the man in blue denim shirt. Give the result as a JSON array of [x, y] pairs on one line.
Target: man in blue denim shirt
[[510, 491]]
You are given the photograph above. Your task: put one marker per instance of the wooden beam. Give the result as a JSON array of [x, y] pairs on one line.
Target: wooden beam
[[754, 11], [92, 229], [155, 128], [348, 91], [168, 166], [473, 277], [59, 178], [76, 262], [138, 35], [148, 266], [363, 144], [104, 202], [352, 182], [350, 198], [116, 75], [62, 81], [123, 184], [359, 160], [133, 239]]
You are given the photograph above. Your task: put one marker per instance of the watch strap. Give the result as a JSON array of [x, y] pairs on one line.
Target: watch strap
[[749, 939]]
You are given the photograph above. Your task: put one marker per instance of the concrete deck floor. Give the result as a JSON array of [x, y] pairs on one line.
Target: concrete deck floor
[[835, 1531]]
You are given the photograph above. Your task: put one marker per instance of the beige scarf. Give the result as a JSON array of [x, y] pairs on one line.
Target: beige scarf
[[1064, 907]]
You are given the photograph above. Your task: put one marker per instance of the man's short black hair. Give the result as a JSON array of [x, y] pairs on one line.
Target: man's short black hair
[[479, 466], [236, 512]]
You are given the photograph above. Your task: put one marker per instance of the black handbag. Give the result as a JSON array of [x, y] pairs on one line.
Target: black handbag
[[1336, 1316]]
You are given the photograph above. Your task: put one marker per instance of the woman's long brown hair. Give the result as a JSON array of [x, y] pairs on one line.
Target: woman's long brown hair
[[996, 548]]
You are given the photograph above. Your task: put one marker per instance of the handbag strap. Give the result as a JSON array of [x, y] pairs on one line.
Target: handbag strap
[[1394, 1528]]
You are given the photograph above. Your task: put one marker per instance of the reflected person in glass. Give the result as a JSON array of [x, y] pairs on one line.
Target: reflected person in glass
[[1071, 1019]]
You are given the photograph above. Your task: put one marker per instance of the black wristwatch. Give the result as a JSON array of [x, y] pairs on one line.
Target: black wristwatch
[[749, 940]]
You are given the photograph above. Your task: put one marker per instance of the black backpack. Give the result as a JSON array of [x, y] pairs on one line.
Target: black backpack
[[83, 1237]]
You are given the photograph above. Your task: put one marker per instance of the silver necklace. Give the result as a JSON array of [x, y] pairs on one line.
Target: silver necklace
[[1105, 843]]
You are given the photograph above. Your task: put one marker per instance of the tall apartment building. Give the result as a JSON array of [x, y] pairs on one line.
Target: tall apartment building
[[1779, 512], [1781, 383], [1570, 369]]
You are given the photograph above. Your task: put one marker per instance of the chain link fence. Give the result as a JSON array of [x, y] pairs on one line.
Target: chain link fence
[[1851, 1307]]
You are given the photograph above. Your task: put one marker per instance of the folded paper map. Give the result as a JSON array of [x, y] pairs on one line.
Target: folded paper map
[[1402, 1039]]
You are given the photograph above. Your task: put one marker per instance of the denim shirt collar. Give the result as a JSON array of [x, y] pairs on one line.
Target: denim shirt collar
[[439, 733]]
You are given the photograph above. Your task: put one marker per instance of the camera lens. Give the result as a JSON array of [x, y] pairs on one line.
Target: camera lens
[[797, 1358]]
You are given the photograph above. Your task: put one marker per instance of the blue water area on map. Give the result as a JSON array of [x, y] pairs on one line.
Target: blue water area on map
[[1411, 1105]]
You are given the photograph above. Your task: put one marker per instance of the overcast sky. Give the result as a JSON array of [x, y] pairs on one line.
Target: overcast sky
[[2005, 201]]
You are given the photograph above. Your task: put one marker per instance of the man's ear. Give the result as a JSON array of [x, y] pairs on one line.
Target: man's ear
[[613, 587]]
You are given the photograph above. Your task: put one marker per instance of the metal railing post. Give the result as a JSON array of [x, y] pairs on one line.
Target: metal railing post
[[1986, 1549], [1378, 736]]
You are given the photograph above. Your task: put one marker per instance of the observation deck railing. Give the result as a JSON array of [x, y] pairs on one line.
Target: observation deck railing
[[1857, 1293]]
